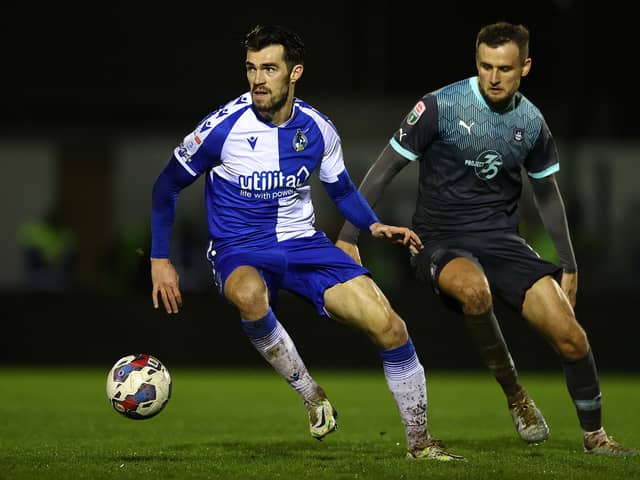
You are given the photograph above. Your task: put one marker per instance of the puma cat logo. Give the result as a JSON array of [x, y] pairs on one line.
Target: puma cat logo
[[468, 127]]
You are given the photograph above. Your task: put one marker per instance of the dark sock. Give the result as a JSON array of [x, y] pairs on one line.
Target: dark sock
[[584, 388], [486, 333]]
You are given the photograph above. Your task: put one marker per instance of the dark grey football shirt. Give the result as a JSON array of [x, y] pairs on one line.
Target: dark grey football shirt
[[471, 158]]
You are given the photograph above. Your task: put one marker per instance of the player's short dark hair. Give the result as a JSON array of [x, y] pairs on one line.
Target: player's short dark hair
[[500, 33], [262, 36]]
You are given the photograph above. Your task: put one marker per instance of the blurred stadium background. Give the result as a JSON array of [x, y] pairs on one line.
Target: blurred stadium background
[[94, 100]]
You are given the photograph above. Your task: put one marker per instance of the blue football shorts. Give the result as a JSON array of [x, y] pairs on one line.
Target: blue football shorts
[[303, 266], [509, 263]]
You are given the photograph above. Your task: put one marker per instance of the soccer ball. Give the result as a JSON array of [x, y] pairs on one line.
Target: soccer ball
[[139, 386]]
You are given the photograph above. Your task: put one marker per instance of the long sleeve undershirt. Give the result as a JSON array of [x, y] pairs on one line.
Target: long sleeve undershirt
[[384, 169], [164, 198], [551, 209], [350, 202]]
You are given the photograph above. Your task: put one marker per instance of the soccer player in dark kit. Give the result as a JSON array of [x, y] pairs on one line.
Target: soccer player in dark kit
[[472, 139]]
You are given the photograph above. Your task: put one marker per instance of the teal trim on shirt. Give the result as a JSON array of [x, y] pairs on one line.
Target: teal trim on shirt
[[402, 151], [546, 172]]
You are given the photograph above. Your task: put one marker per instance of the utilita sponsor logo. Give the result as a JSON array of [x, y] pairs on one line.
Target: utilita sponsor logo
[[264, 181]]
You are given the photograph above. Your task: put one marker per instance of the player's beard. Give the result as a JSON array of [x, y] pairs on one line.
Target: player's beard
[[497, 104], [270, 107]]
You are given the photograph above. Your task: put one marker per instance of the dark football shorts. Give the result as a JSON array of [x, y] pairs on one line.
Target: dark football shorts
[[509, 263]]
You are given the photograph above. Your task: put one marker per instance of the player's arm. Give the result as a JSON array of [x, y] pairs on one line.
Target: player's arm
[[417, 131], [552, 212], [380, 174], [357, 210], [164, 276]]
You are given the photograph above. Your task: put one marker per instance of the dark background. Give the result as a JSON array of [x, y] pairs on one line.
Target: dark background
[[84, 74], [146, 65]]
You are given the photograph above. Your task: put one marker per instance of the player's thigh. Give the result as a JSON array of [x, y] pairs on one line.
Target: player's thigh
[[360, 303], [547, 309]]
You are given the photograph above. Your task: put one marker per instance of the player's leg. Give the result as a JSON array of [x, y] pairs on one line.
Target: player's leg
[[463, 280], [246, 289], [548, 310], [360, 304]]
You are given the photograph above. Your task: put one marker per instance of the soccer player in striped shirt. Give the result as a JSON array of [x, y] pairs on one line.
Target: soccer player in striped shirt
[[257, 154]]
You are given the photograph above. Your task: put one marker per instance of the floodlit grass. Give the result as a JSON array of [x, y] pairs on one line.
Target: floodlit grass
[[248, 424]]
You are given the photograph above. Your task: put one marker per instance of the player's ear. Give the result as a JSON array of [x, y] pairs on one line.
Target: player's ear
[[296, 73], [526, 67]]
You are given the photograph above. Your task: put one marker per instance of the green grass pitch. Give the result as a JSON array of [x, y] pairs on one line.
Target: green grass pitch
[[56, 423]]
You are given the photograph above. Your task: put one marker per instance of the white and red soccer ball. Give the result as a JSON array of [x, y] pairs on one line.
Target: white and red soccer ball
[[139, 386]]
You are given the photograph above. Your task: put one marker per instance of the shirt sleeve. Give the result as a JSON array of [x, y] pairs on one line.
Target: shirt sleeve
[[418, 129], [384, 169], [350, 202], [543, 159], [551, 208], [332, 164], [164, 197]]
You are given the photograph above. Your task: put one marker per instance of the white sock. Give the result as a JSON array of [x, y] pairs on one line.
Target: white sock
[[278, 349], [408, 385]]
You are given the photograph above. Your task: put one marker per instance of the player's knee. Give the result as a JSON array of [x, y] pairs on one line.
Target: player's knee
[[391, 332], [573, 344], [474, 298], [248, 296]]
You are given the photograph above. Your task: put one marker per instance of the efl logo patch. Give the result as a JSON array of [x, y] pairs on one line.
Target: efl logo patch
[[416, 113], [189, 146]]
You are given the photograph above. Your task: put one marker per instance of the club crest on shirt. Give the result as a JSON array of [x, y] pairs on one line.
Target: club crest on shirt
[[416, 113], [518, 134], [300, 140]]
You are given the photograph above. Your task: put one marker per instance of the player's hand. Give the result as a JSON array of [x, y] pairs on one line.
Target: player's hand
[[166, 282], [350, 249], [569, 284], [399, 235]]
